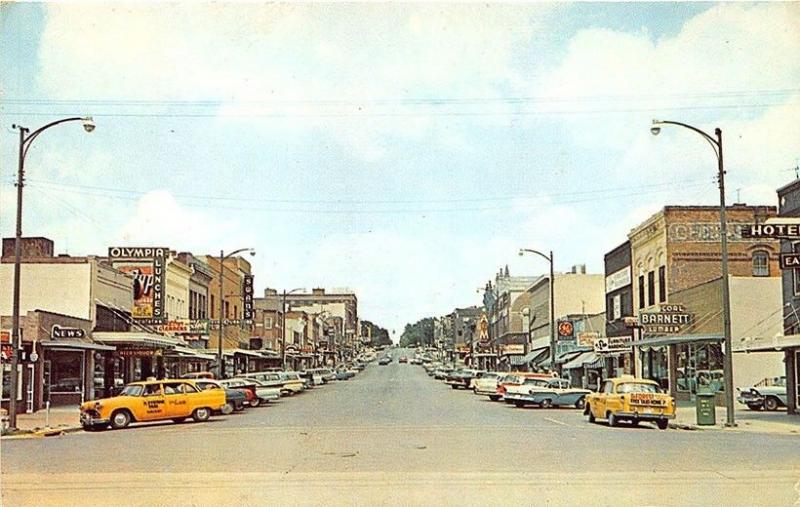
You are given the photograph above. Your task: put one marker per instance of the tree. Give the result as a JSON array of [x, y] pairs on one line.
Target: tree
[[380, 336], [419, 333]]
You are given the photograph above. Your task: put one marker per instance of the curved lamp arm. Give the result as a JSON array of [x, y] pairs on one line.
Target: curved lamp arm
[[88, 125], [537, 252], [713, 142]]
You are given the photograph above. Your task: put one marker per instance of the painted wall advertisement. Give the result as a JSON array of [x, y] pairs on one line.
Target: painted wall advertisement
[[147, 267]]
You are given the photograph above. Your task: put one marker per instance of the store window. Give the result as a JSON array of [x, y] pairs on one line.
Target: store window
[[641, 291], [654, 366], [700, 366], [760, 263], [66, 372]]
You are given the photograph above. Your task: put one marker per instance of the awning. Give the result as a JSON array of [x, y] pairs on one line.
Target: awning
[[77, 345], [661, 341], [136, 339], [586, 360], [773, 344], [269, 353], [533, 355], [244, 352], [191, 353], [568, 356]]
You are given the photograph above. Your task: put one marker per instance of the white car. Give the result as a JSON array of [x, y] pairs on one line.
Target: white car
[[486, 385], [263, 394]]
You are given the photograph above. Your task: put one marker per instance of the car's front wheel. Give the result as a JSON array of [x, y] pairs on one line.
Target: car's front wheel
[[580, 403], [546, 403], [120, 419], [201, 414], [494, 397], [755, 406], [771, 403], [612, 419], [255, 402]]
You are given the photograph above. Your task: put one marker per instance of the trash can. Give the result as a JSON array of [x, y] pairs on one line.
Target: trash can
[[706, 411]]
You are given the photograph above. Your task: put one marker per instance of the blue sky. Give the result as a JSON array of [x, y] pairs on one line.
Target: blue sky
[[406, 151]]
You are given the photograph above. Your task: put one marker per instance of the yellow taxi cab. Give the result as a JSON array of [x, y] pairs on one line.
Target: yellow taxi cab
[[152, 401], [631, 399]]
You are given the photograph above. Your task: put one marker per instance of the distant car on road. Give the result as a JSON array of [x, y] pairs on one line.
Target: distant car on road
[[403, 359], [384, 360]]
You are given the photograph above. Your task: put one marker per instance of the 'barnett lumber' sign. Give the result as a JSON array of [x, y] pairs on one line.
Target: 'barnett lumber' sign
[[670, 319]]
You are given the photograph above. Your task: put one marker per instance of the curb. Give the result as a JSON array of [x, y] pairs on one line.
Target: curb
[[42, 432]]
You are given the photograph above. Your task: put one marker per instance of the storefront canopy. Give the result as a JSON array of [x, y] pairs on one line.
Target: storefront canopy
[[661, 341], [774, 344], [244, 352], [76, 345], [187, 352], [136, 339], [531, 356], [585, 359]]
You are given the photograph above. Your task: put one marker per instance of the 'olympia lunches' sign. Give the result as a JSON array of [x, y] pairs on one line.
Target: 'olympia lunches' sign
[[147, 267], [670, 319]]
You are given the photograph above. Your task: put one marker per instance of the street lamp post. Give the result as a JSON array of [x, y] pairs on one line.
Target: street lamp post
[[549, 258], [25, 139], [222, 257], [716, 144]]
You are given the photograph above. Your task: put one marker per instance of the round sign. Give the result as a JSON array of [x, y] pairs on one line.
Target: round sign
[[34, 357], [565, 328]]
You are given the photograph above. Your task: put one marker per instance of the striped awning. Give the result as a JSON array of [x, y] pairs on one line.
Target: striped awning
[[585, 360]]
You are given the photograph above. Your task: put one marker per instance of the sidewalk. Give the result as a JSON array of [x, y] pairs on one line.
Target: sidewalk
[[746, 420], [61, 418]]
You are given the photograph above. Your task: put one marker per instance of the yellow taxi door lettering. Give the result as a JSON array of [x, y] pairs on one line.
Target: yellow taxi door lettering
[[177, 403], [153, 403]]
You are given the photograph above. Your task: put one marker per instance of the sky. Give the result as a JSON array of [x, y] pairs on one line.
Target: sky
[[406, 151]]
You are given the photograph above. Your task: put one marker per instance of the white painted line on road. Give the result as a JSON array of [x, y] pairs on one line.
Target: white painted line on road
[[556, 422]]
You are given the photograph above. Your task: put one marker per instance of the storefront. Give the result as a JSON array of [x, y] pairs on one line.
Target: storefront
[[790, 346], [182, 360], [585, 370], [138, 355], [684, 364]]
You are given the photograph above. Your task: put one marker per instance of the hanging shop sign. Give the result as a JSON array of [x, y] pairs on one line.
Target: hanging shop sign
[[613, 344], [670, 319], [618, 279], [566, 329], [247, 297], [512, 349], [58, 332], [140, 352], [587, 338], [147, 267], [483, 331], [790, 260]]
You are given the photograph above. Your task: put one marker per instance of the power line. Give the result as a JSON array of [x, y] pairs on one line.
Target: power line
[[116, 190]]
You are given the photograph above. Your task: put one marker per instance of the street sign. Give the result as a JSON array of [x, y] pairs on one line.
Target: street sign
[[790, 260], [483, 327]]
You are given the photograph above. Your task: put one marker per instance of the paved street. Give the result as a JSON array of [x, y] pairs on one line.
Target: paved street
[[394, 436]]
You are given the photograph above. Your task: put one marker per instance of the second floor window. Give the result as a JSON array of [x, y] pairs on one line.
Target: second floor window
[[651, 288], [760, 263], [641, 291]]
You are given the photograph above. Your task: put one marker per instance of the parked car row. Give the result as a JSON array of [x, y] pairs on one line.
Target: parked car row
[[200, 396], [619, 399]]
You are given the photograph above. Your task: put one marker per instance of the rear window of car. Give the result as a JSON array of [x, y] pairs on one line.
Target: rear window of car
[[637, 387]]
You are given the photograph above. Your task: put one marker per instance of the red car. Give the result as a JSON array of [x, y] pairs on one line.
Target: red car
[[249, 390]]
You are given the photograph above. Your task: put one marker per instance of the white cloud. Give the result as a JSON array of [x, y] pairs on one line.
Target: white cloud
[[160, 220]]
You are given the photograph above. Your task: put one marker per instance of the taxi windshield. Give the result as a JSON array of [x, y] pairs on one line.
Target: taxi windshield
[[131, 390], [637, 387]]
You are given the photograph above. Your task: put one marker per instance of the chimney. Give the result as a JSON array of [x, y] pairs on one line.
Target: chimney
[[270, 292], [318, 292]]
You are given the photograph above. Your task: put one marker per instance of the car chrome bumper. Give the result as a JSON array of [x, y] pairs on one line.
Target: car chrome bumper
[[644, 416], [88, 420]]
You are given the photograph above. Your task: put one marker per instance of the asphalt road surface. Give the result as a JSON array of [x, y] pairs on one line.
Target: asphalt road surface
[[394, 436]]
